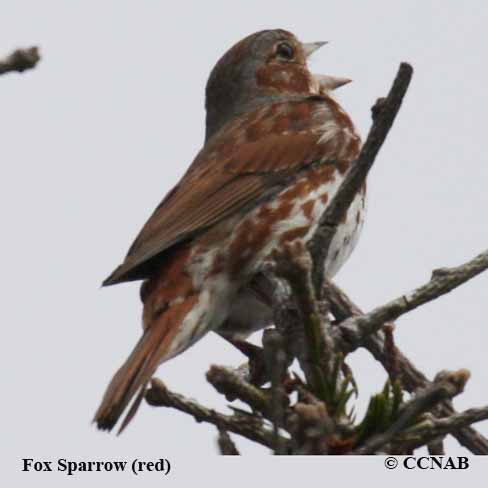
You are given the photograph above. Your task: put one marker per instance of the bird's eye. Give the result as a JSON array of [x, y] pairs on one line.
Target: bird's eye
[[285, 50]]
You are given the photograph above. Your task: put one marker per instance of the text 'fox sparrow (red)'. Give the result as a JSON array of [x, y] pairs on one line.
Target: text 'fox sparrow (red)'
[[277, 148]]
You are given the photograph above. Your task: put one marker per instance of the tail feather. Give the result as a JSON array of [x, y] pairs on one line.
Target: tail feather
[[168, 298], [131, 377]]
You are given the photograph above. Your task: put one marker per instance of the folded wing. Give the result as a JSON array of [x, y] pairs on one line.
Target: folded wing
[[248, 160]]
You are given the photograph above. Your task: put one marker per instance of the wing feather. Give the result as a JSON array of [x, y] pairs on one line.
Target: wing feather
[[231, 172]]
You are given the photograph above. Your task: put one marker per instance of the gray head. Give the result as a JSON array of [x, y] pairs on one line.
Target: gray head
[[264, 67]]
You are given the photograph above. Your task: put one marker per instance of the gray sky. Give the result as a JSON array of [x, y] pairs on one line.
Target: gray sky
[[95, 136]]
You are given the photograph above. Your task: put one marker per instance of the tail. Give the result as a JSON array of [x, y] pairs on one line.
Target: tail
[[132, 378], [168, 298]]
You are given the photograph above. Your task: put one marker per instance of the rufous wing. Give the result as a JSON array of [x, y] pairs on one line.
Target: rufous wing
[[246, 161]]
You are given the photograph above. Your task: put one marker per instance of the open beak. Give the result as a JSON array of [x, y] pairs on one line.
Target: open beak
[[326, 83], [311, 47], [329, 83]]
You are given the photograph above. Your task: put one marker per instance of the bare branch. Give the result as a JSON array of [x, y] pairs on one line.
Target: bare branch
[[20, 60], [436, 447], [384, 115], [226, 444], [227, 382], [247, 426], [433, 428], [446, 385], [380, 346], [357, 328], [391, 353]]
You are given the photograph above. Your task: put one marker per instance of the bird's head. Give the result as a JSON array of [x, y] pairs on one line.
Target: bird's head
[[264, 67]]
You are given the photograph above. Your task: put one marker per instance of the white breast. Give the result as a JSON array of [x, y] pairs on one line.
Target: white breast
[[347, 236]]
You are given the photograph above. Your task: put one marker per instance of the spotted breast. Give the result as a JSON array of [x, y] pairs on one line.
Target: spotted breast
[[291, 216]]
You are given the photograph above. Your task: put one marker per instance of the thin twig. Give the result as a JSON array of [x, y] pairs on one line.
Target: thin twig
[[433, 428], [227, 382], [226, 444], [391, 353], [246, 426], [357, 328], [446, 385], [356, 176], [20, 60]]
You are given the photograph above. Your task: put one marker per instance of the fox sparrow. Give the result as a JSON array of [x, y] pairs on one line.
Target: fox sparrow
[[277, 147]]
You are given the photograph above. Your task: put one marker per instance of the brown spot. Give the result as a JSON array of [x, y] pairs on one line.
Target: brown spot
[[218, 265], [255, 232], [324, 198], [318, 176], [358, 217], [280, 211], [354, 147], [343, 165], [251, 236], [307, 208], [264, 212], [298, 189], [293, 234]]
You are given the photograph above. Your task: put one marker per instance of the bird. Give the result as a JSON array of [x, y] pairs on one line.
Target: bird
[[277, 147]]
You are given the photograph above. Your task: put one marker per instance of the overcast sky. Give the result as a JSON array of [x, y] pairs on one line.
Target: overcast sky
[[95, 136]]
